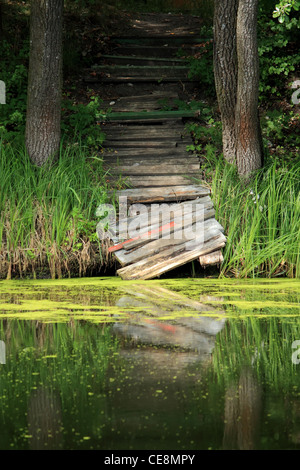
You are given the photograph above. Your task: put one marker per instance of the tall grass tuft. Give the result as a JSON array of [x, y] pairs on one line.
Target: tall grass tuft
[[261, 220], [47, 221]]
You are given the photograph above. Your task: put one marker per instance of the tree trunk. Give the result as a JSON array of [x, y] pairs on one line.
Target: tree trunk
[[225, 71], [237, 82], [249, 151], [44, 80]]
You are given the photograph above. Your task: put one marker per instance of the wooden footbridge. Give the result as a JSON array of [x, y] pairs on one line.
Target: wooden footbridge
[[169, 216]]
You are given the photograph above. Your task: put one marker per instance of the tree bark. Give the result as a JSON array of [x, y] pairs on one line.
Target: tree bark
[[225, 71], [248, 137], [236, 71], [44, 80]]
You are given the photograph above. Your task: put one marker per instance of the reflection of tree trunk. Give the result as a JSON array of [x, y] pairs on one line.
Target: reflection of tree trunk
[[231, 417], [242, 413], [44, 420]]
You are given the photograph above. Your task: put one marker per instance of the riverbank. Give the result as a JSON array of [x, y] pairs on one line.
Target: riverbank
[[48, 221]]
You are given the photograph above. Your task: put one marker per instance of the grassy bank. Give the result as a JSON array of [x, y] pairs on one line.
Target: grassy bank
[[48, 222], [261, 220]]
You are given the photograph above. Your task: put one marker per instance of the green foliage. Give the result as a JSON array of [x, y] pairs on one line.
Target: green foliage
[[79, 122], [14, 74], [209, 132], [279, 54], [283, 9], [201, 68]]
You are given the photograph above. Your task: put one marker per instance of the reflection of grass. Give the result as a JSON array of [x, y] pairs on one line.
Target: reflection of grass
[[68, 361], [262, 343]]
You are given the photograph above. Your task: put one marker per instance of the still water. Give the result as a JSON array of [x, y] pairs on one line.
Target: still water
[[155, 365]]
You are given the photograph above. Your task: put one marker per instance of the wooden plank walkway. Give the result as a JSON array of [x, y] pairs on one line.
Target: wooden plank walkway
[[169, 216]]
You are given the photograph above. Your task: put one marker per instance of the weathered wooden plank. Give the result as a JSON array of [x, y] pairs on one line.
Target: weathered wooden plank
[[126, 257], [123, 135], [132, 60], [154, 144], [160, 168], [143, 219], [166, 40], [178, 225], [153, 180], [141, 50], [212, 259], [162, 194], [154, 232], [95, 77], [163, 129], [113, 161], [143, 215], [139, 152], [173, 257], [142, 71], [149, 115]]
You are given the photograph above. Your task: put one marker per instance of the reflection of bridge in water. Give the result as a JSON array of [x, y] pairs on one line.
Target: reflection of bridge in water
[[163, 318], [166, 345]]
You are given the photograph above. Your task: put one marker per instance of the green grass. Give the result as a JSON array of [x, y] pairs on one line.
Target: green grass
[[48, 217], [261, 220]]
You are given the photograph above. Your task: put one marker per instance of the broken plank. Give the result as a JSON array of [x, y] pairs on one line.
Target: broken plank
[[211, 259], [126, 257], [162, 194], [150, 233], [146, 215], [172, 258], [178, 225]]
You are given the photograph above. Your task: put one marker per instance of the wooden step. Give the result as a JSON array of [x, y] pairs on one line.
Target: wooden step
[[162, 194], [149, 116], [142, 71], [133, 133], [153, 144], [150, 181], [161, 168], [136, 60], [172, 41], [136, 50], [95, 77]]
